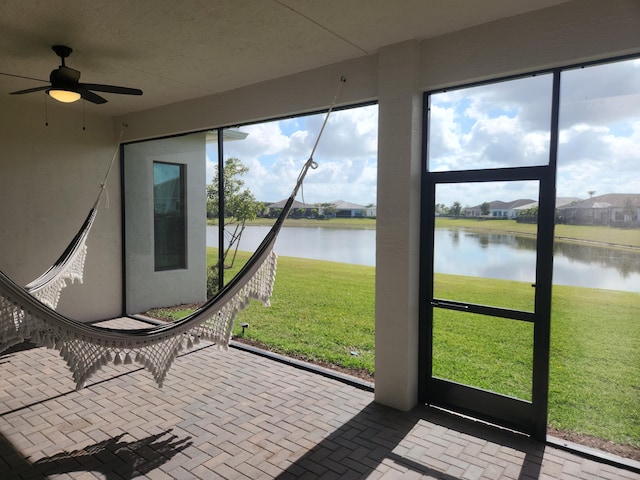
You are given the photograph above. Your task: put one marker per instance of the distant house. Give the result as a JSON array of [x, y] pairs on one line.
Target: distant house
[[560, 202], [298, 209], [611, 209], [339, 208], [347, 209], [498, 209], [566, 201]]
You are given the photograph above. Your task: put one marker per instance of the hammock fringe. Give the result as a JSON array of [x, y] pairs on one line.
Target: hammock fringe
[[86, 350], [28, 314]]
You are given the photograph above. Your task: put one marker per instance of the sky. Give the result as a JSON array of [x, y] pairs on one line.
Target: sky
[[276, 151], [496, 125], [508, 123]]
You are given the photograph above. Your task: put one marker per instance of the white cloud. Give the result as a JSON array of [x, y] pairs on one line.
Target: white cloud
[[508, 124], [592, 158], [346, 157], [502, 124]]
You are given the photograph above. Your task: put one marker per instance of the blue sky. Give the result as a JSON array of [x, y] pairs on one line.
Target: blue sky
[[276, 151], [507, 124], [501, 124]]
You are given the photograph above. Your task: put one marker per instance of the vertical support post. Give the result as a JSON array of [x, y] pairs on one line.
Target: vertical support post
[[123, 238], [427, 225], [544, 276], [398, 226], [220, 132]]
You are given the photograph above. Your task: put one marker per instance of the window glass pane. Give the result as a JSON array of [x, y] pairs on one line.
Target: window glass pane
[[498, 125], [595, 337], [169, 216], [485, 243], [328, 239], [485, 352]]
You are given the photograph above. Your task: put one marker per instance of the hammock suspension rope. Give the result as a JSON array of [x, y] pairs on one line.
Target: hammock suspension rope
[[86, 348]]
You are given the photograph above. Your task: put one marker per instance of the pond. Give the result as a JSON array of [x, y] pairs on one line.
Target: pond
[[342, 245], [462, 252]]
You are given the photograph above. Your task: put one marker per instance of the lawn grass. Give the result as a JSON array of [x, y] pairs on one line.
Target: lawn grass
[[594, 360], [595, 363], [320, 311], [324, 311]]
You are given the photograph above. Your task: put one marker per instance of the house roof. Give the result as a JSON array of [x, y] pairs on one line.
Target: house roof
[[339, 204], [296, 204], [175, 51], [500, 205], [560, 202], [608, 200], [342, 205], [565, 201]]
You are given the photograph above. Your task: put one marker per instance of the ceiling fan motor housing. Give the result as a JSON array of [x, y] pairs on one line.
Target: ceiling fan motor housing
[[64, 78]]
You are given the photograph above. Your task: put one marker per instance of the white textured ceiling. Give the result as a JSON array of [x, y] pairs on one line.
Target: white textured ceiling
[[179, 49]]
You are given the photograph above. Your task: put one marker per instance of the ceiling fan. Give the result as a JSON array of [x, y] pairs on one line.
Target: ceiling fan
[[65, 86]]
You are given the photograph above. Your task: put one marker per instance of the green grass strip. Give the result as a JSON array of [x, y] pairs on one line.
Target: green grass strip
[[324, 311]]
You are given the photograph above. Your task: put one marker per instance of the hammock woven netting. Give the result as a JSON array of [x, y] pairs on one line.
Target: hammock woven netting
[[28, 314], [69, 268], [86, 348]]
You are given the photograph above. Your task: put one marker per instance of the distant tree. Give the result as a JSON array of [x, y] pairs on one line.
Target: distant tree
[[529, 215], [455, 209], [239, 206], [329, 209], [591, 193], [485, 208], [441, 209], [239, 203], [275, 212]]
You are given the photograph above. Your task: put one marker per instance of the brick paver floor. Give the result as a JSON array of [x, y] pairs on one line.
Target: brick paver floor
[[233, 414]]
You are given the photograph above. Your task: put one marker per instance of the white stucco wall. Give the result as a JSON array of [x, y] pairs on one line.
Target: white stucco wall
[[145, 287], [301, 93], [398, 225], [49, 179]]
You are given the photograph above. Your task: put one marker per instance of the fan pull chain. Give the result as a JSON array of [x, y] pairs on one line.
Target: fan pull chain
[[46, 111]]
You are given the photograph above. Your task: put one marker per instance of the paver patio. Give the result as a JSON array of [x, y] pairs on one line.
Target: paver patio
[[232, 414]]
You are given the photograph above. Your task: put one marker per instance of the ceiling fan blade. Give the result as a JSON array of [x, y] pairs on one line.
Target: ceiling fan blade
[[111, 89], [67, 79], [31, 90], [22, 76], [90, 96]]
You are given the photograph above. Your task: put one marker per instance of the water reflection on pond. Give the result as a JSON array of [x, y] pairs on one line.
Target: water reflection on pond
[[512, 257], [464, 252]]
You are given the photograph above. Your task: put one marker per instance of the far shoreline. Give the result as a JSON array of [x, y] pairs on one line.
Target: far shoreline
[[627, 239]]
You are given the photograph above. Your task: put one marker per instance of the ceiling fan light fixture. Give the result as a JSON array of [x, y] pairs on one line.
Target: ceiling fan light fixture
[[64, 96]]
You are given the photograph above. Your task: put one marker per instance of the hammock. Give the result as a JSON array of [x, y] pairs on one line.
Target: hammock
[[70, 266], [86, 348]]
